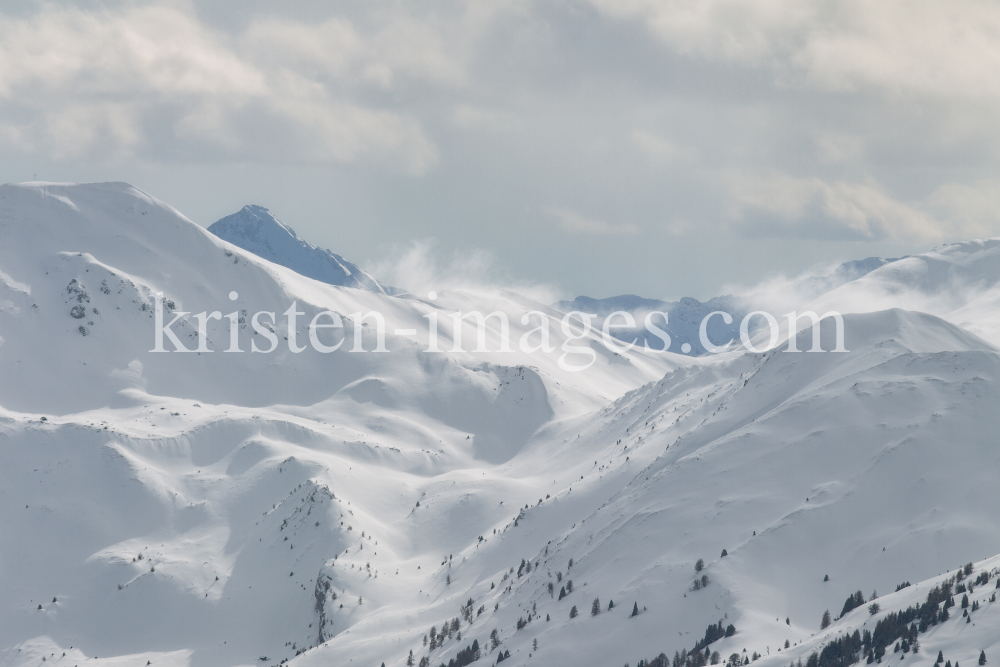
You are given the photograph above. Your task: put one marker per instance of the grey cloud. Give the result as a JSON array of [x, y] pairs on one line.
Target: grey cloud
[[575, 223]]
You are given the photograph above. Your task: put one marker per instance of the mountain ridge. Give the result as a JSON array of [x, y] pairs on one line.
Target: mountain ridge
[[254, 229]]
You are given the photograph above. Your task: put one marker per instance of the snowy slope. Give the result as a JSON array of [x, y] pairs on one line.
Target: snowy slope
[[959, 282], [752, 455], [380, 423], [256, 487], [254, 229], [970, 631]]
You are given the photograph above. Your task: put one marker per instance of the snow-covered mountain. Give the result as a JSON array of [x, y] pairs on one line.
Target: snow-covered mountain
[[812, 287], [959, 282], [215, 508], [254, 229], [684, 317]]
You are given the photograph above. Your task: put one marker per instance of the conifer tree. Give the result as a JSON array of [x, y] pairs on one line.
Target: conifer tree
[[595, 608], [635, 609], [982, 657], [572, 612], [825, 623]]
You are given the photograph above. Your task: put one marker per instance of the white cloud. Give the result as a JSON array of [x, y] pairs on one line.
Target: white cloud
[[927, 48], [149, 81], [974, 208], [574, 223], [783, 206], [938, 49], [725, 29], [419, 267], [335, 50]]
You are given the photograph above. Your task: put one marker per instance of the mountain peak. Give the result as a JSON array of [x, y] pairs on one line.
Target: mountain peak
[[256, 230]]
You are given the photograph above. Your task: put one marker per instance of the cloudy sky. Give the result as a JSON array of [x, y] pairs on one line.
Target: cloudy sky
[[657, 147]]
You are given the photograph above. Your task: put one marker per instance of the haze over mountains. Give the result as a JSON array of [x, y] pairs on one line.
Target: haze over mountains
[[220, 509], [684, 317], [256, 230]]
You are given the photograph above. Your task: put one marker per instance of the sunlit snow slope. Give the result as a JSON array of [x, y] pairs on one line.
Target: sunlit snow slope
[[237, 508]]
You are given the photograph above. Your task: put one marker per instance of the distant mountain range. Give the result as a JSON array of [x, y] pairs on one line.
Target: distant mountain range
[[684, 317], [254, 229]]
